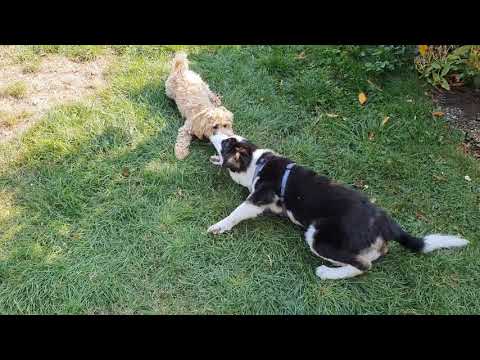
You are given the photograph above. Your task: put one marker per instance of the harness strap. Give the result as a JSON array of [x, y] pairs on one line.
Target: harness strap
[[286, 174], [260, 164]]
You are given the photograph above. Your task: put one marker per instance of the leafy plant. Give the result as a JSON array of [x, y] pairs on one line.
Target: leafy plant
[[378, 60], [448, 65], [16, 90]]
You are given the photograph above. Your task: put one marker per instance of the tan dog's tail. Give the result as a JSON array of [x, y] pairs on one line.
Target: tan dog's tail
[[180, 62]]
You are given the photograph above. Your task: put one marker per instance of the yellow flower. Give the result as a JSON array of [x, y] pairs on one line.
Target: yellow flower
[[423, 49]]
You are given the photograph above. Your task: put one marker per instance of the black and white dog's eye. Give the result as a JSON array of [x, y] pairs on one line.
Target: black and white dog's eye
[[215, 127]]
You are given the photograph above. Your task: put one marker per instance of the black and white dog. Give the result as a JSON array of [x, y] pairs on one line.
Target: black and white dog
[[341, 225]]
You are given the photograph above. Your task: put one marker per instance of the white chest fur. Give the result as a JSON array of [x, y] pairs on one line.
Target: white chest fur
[[246, 178]]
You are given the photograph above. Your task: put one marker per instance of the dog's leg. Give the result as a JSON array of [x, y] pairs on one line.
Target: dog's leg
[[350, 264], [184, 138], [214, 98], [244, 211], [343, 272], [169, 88]]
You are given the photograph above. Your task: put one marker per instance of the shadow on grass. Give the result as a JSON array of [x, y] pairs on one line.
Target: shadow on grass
[[107, 220]]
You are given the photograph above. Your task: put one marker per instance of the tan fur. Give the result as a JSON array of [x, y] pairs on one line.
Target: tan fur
[[200, 107]]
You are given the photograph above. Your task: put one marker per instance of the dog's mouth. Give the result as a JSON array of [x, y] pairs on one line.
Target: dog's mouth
[[217, 141]]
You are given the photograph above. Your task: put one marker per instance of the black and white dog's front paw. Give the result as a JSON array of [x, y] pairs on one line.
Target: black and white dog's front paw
[[216, 160], [220, 227]]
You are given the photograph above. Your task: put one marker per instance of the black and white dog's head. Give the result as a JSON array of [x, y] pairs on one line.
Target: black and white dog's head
[[235, 153]]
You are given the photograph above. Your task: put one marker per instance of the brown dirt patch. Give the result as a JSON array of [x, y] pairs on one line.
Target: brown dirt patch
[[57, 81], [462, 111]]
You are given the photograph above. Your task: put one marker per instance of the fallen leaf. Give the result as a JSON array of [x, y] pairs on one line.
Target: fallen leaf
[[374, 85], [362, 98], [420, 216], [455, 77], [373, 200], [468, 178], [301, 56], [125, 172], [180, 193], [358, 184], [422, 49], [269, 260], [439, 178], [409, 100], [464, 148], [385, 120], [371, 135], [438, 113], [331, 115]]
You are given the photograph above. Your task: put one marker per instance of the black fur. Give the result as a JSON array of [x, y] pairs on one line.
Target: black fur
[[346, 222]]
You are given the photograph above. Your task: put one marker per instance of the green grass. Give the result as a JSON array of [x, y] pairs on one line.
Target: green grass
[[76, 53], [80, 234], [17, 90]]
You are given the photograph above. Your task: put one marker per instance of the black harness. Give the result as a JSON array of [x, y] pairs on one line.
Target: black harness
[[260, 165]]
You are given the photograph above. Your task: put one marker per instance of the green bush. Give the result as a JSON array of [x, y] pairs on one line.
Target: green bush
[[381, 59], [449, 65]]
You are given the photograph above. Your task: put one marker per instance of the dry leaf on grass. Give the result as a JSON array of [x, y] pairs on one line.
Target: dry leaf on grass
[[125, 172], [439, 178], [331, 115], [420, 216], [359, 184], [300, 56], [371, 135], [438, 113], [374, 85], [362, 98], [385, 120], [467, 178]]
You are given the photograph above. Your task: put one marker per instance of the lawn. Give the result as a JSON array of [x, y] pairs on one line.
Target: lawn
[[98, 217]]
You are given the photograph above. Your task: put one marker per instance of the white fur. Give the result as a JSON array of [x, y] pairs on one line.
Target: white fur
[[438, 241], [310, 237], [373, 252], [244, 211], [292, 218], [246, 178], [243, 178], [343, 272]]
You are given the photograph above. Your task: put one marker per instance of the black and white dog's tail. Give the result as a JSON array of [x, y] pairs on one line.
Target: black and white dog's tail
[[429, 242]]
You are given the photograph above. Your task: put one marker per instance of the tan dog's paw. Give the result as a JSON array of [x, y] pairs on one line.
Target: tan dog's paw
[[216, 160], [219, 227], [181, 153]]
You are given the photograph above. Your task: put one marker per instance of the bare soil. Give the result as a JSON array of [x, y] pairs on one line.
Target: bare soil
[[57, 81], [462, 111]]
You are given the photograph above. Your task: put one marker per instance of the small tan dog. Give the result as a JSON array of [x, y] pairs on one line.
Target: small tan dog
[[201, 108]]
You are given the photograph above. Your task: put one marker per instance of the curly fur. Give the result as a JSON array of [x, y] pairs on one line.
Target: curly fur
[[201, 108]]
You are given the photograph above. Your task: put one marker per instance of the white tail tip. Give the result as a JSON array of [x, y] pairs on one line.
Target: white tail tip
[[438, 241]]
